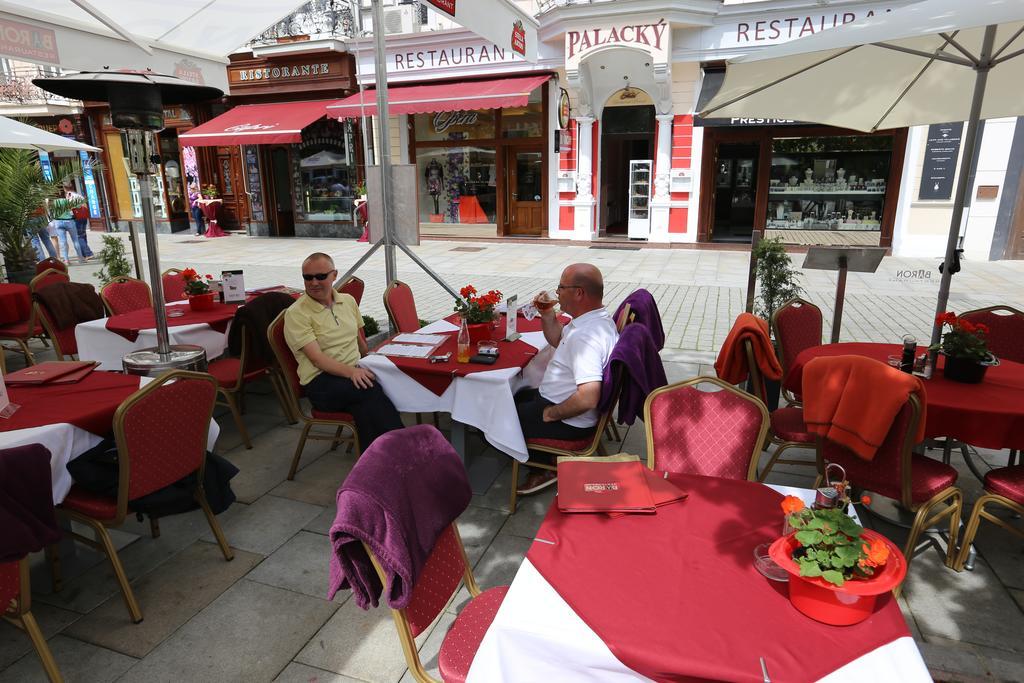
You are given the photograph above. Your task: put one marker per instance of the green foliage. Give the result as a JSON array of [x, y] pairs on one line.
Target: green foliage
[[964, 339], [370, 326], [113, 260], [422, 322], [777, 279], [831, 545]]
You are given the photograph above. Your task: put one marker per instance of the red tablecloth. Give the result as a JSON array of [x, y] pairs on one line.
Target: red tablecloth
[[675, 596], [14, 303], [209, 207], [438, 376], [89, 404], [128, 325], [988, 415]]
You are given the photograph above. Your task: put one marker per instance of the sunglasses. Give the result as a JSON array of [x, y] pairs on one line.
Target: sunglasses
[[320, 277]]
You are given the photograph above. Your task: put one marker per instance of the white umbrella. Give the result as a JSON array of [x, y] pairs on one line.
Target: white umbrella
[[929, 62], [23, 136]]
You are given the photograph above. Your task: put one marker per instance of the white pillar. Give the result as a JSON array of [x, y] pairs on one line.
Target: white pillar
[[661, 202], [584, 203]]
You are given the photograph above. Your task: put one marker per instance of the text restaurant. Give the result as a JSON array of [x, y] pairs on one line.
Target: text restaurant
[[285, 167]]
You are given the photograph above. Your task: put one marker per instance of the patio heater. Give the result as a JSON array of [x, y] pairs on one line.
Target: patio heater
[[137, 100]]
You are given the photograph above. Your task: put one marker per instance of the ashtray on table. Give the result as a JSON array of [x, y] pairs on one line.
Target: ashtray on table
[[175, 313], [766, 566]]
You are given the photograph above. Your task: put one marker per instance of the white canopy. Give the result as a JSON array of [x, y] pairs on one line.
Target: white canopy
[[23, 136], [185, 38], [902, 68]]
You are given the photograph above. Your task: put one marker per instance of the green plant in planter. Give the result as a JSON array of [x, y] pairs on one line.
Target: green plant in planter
[[113, 260], [370, 326], [831, 546], [777, 279]]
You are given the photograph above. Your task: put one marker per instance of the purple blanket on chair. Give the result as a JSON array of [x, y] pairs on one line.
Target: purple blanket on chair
[[641, 372], [27, 520], [403, 492], [643, 306]]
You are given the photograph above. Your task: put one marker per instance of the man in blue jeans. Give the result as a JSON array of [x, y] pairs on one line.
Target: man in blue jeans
[[80, 214], [66, 231]]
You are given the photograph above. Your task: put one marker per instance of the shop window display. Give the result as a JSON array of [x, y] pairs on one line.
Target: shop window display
[[457, 185], [828, 182], [327, 173], [524, 122]]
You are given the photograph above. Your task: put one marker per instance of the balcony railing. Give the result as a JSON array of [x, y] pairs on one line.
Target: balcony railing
[[315, 19], [16, 86]]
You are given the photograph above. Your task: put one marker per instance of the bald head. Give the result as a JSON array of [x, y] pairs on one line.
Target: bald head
[[316, 257], [588, 278]]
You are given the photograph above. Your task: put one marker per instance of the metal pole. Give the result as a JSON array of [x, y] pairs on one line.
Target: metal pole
[[384, 143], [963, 186], [755, 239], [155, 281], [837, 316]]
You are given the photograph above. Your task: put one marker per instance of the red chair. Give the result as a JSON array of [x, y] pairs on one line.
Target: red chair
[[64, 341], [22, 332], [161, 433], [16, 606], [126, 294], [787, 424], [353, 287], [710, 433], [51, 263], [920, 484], [401, 307], [797, 326], [1005, 330], [173, 284], [288, 368], [1004, 487], [445, 568]]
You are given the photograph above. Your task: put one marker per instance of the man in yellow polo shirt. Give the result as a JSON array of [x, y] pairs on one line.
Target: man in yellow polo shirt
[[322, 330]]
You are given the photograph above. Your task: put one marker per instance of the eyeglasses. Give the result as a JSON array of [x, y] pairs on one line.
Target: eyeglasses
[[561, 287], [308, 277]]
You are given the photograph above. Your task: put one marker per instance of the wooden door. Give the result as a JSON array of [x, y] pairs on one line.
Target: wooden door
[[232, 189], [280, 206], [525, 190]]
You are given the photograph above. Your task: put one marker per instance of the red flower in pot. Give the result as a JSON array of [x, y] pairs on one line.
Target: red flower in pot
[[200, 298], [478, 312]]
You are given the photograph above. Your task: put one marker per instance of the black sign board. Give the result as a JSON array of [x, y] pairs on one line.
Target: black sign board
[[940, 157]]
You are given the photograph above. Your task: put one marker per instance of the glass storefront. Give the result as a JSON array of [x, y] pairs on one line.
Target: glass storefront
[[457, 184], [828, 182], [326, 177]]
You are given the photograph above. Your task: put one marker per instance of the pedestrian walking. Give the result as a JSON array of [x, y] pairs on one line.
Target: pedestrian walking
[[38, 226], [80, 214], [194, 195], [64, 226]]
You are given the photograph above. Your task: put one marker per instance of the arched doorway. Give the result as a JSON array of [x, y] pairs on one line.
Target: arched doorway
[[627, 135]]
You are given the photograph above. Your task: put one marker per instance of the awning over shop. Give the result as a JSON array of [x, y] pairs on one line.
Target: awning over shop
[[257, 124], [451, 96]]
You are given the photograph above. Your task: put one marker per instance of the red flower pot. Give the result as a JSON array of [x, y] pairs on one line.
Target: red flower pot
[[479, 332], [201, 302], [851, 603]]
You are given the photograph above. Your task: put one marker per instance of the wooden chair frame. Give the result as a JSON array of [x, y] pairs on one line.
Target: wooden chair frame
[[120, 279], [595, 447], [308, 421], [781, 445], [405, 636], [790, 397], [924, 517], [51, 332], [19, 614], [33, 318], [979, 511], [102, 540], [724, 386]]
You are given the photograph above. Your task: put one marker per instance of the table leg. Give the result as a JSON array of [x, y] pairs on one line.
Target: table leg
[[482, 468]]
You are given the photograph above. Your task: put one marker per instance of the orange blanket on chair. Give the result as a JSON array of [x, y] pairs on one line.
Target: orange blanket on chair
[[731, 365], [853, 400]]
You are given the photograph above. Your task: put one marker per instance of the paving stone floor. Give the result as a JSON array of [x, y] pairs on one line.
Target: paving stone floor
[[264, 616]]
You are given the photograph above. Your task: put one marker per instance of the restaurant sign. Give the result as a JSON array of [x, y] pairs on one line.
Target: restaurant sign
[[281, 72], [771, 29], [25, 41], [652, 38]]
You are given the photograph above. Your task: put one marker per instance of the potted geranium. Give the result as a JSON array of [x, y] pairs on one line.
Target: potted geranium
[[837, 568], [478, 311], [209, 192], [965, 349], [200, 298]]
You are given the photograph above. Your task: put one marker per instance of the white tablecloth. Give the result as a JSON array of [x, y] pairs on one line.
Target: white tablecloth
[[536, 636], [483, 399], [66, 442], [96, 342]]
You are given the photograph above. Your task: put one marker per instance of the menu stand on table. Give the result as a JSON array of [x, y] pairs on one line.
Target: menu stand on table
[[843, 259]]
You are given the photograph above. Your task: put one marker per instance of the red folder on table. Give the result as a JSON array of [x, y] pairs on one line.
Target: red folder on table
[[51, 372], [603, 484], [663, 491]]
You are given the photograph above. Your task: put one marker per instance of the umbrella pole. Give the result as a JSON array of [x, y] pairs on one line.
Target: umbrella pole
[[964, 183]]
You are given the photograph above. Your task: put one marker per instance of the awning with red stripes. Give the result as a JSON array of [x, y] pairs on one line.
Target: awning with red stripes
[[257, 124]]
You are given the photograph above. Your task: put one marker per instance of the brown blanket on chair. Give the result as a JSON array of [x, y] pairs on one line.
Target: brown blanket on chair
[[257, 315], [70, 303]]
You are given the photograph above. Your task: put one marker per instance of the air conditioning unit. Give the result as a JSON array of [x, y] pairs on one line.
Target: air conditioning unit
[[401, 19]]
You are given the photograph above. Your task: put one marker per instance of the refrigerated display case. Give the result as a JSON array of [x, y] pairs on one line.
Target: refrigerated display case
[[639, 199]]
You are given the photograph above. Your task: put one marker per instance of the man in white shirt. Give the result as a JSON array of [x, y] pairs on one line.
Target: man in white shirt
[[565, 404]]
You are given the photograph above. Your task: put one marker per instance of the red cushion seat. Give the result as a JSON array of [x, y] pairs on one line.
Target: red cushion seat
[[929, 476], [1007, 482], [788, 425], [91, 504], [10, 582], [465, 635], [20, 330], [337, 417], [226, 372], [564, 444]]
